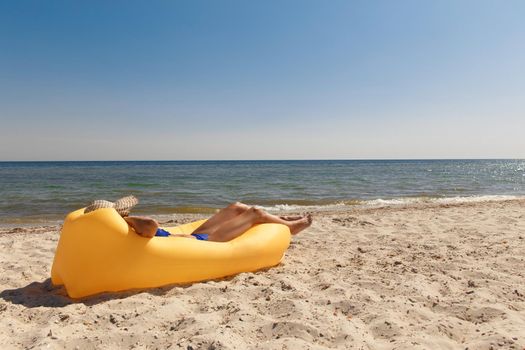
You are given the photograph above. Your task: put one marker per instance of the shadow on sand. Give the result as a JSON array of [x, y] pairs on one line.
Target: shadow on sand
[[37, 294], [44, 293]]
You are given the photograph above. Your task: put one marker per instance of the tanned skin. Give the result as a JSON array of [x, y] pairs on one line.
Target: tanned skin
[[226, 224]]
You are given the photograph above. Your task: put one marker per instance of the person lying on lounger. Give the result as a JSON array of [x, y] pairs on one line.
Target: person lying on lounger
[[227, 224]]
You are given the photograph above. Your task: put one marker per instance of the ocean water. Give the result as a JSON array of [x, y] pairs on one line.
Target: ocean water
[[35, 192]]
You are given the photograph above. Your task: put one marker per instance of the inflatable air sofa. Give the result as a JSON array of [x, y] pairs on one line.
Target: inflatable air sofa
[[98, 252]]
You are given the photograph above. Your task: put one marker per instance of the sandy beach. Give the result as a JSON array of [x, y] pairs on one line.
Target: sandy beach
[[436, 276]]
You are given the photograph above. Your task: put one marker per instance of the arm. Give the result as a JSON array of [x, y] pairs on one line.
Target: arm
[[147, 227], [143, 226]]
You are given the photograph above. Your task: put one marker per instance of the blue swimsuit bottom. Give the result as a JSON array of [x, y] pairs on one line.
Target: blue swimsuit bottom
[[200, 236]]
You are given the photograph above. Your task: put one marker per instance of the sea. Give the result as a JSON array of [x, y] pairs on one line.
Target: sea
[[44, 192]]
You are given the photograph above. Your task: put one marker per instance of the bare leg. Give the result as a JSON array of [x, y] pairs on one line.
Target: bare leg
[[223, 215], [228, 230], [147, 227]]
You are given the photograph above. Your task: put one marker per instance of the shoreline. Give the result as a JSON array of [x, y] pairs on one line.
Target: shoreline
[[50, 225]]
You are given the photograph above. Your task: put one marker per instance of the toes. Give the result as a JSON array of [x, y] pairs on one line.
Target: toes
[[307, 220]]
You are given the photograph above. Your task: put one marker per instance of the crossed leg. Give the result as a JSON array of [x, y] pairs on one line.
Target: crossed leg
[[147, 227], [221, 230], [223, 215], [228, 223]]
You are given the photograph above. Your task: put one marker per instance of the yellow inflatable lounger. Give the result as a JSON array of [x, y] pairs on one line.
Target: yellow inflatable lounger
[[98, 252]]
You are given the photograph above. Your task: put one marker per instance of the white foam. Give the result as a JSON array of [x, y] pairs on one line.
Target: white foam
[[394, 201], [447, 200], [296, 207], [488, 198], [378, 203]]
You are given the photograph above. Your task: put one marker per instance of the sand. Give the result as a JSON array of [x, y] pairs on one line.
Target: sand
[[412, 277]]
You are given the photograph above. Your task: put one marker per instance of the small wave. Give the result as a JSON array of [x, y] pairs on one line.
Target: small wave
[[377, 203], [439, 200], [311, 207], [487, 198]]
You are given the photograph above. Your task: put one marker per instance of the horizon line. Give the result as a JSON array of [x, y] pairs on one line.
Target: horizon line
[[250, 160]]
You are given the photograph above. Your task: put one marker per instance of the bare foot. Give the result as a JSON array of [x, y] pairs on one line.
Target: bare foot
[[297, 226]]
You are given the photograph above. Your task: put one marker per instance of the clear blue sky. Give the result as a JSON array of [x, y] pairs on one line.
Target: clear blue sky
[[96, 80]]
